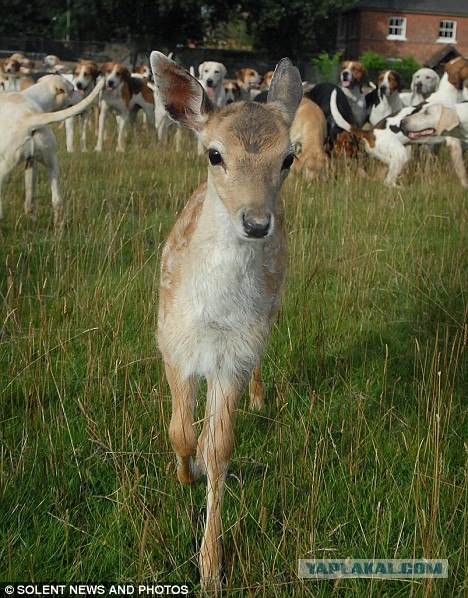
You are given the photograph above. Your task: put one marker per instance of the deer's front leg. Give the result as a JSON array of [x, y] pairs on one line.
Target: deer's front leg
[[222, 399], [181, 430]]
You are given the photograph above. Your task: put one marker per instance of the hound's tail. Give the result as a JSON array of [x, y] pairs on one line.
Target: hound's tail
[[337, 116], [36, 121]]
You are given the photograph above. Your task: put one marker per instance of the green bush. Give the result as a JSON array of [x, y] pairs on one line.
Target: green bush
[[326, 67], [374, 63]]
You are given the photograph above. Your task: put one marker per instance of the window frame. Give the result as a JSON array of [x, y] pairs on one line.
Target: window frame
[[447, 40], [397, 36]]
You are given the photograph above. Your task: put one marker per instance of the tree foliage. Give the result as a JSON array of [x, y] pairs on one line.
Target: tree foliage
[[293, 27], [296, 27]]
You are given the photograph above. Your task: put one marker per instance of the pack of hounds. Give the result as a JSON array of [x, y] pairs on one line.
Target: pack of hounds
[[331, 119]]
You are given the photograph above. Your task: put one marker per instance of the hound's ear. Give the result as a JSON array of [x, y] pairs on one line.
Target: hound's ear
[[181, 94], [200, 70], [437, 82], [286, 88], [398, 80], [448, 120], [239, 74], [223, 71], [364, 77]]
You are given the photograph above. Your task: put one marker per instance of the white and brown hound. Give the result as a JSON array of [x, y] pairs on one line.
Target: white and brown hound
[[385, 98], [84, 78], [389, 140], [248, 81], [353, 76], [211, 75], [232, 89], [424, 82], [24, 117], [123, 95]]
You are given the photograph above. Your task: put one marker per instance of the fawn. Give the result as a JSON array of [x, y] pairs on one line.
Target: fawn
[[222, 271]]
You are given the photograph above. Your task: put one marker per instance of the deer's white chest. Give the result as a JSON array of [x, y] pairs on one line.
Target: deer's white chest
[[219, 319]]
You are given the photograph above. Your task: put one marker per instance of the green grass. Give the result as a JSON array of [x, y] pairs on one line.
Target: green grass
[[360, 450]]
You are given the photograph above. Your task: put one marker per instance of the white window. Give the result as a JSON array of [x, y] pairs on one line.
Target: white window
[[396, 28], [447, 31]]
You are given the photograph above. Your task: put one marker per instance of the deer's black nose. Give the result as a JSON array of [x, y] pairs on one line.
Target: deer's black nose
[[256, 227]]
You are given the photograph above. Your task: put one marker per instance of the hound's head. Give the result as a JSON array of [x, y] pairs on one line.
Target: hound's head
[[85, 74], [457, 71], [143, 70], [116, 75], [352, 74], [11, 65], [248, 147], [248, 78], [424, 82], [211, 75], [232, 91], [267, 79], [58, 92], [429, 119], [51, 60], [388, 82]]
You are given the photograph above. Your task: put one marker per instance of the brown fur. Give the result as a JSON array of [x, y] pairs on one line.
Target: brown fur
[[457, 71], [267, 77], [394, 80], [357, 70], [91, 69], [309, 130], [346, 144], [243, 75], [244, 181]]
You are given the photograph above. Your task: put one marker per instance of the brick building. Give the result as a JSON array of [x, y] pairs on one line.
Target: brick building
[[399, 28]]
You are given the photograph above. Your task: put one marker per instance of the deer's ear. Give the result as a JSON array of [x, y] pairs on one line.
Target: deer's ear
[[181, 94], [286, 88]]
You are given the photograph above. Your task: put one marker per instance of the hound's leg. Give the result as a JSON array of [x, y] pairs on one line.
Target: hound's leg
[[222, 399], [1, 202], [51, 164], [150, 121], [456, 153], [182, 432], [30, 175], [121, 126], [84, 117], [3, 173], [101, 127], [70, 130], [398, 158]]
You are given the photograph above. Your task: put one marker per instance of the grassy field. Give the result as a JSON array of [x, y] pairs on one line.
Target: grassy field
[[361, 449]]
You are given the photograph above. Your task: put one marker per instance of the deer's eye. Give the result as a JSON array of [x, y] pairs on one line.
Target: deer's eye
[[288, 162], [215, 157]]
